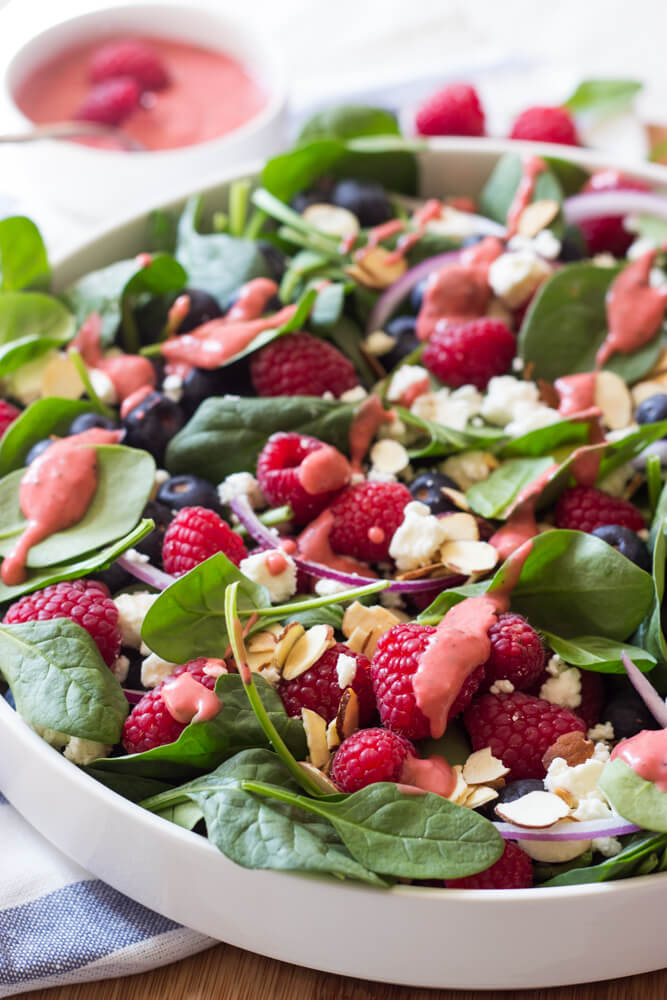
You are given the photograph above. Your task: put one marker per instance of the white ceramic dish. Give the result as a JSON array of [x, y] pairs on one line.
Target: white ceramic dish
[[414, 936], [94, 184]]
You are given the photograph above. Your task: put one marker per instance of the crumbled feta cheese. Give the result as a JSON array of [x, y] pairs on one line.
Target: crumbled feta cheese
[[378, 476], [103, 386], [138, 558], [518, 364], [393, 429], [544, 244], [514, 276], [563, 689], [354, 395], [132, 609], [528, 417], [172, 388], [417, 540], [581, 782], [503, 394], [154, 670], [241, 484], [327, 588], [451, 409], [346, 668], [609, 847], [657, 277], [469, 467], [120, 668], [84, 752], [640, 247], [556, 665], [603, 731], [501, 687], [405, 378], [391, 600], [281, 586]]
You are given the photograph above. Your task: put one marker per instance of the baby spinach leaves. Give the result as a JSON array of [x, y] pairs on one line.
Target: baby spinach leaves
[[226, 435], [501, 188], [125, 480], [435, 440], [634, 798], [567, 323], [603, 97], [543, 440], [30, 325], [348, 121], [593, 652], [41, 419], [492, 497], [571, 584], [641, 854], [23, 259], [60, 681]]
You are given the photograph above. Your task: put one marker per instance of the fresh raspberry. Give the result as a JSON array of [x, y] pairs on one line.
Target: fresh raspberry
[[86, 602], [592, 695], [149, 724], [111, 102], [607, 234], [301, 365], [519, 729], [131, 58], [195, 534], [365, 518], [454, 110], [546, 125], [8, 415], [278, 475], [318, 687], [583, 508], [367, 756], [512, 870], [394, 663], [517, 653], [470, 353]]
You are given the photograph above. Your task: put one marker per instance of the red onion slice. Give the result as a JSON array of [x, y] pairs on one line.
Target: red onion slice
[[390, 298], [146, 573], [615, 827], [597, 204], [133, 697], [241, 507], [646, 691]]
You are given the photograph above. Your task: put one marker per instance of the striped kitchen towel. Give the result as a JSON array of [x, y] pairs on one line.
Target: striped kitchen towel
[[59, 924]]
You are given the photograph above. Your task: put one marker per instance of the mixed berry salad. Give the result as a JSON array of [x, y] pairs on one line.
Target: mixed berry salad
[[334, 524]]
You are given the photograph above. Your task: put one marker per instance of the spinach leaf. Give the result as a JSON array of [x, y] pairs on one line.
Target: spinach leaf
[[202, 746], [134, 787], [501, 187], [493, 497], [161, 232], [635, 851], [649, 227], [570, 176], [161, 275], [125, 480], [454, 746], [23, 259], [406, 836], [348, 121], [188, 618], [72, 570], [543, 440], [617, 453], [296, 322], [571, 584], [226, 435], [216, 262], [634, 798], [594, 652], [60, 681], [567, 323], [650, 634], [261, 833], [603, 96], [442, 440], [41, 419], [30, 325], [348, 338]]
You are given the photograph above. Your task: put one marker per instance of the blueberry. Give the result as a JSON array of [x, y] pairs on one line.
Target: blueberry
[[304, 199], [627, 543], [366, 199], [652, 409], [151, 544], [402, 329], [188, 491], [472, 241], [417, 295], [87, 421], [517, 789], [203, 307], [199, 384], [38, 449], [9, 698], [275, 259], [152, 423], [427, 488], [628, 714]]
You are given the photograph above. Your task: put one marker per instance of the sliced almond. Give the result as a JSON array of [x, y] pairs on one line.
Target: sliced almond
[[378, 343], [573, 747], [372, 639], [356, 639], [333, 739], [325, 784], [60, 378], [537, 216], [259, 661], [389, 456], [479, 796], [315, 728], [431, 569], [613, 398], [367, 618], [377, 268], [534, 811], [307, 650], [287, 639], [644, 390], [566, 796], [469, 557], [347, 716], [457, 498], [460, 527], [262, 642], [331, 219], [660, 366], [460, 790], [481, 768]]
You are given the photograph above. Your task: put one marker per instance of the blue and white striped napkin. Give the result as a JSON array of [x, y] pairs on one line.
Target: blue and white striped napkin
[[60, 925]]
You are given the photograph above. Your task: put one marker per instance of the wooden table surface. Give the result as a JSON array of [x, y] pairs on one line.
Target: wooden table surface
[[227, 973]]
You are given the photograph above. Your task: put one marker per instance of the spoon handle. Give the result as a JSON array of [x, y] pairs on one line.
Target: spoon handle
[[71, 130]]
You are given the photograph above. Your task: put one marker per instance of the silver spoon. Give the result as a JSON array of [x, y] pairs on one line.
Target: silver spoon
[[73, 130]]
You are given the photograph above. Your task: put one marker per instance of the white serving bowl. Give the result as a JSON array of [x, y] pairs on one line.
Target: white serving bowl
[[98, 184], [414, 936]]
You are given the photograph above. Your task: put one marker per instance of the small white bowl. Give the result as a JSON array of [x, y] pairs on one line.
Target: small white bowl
[[94, 184]]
